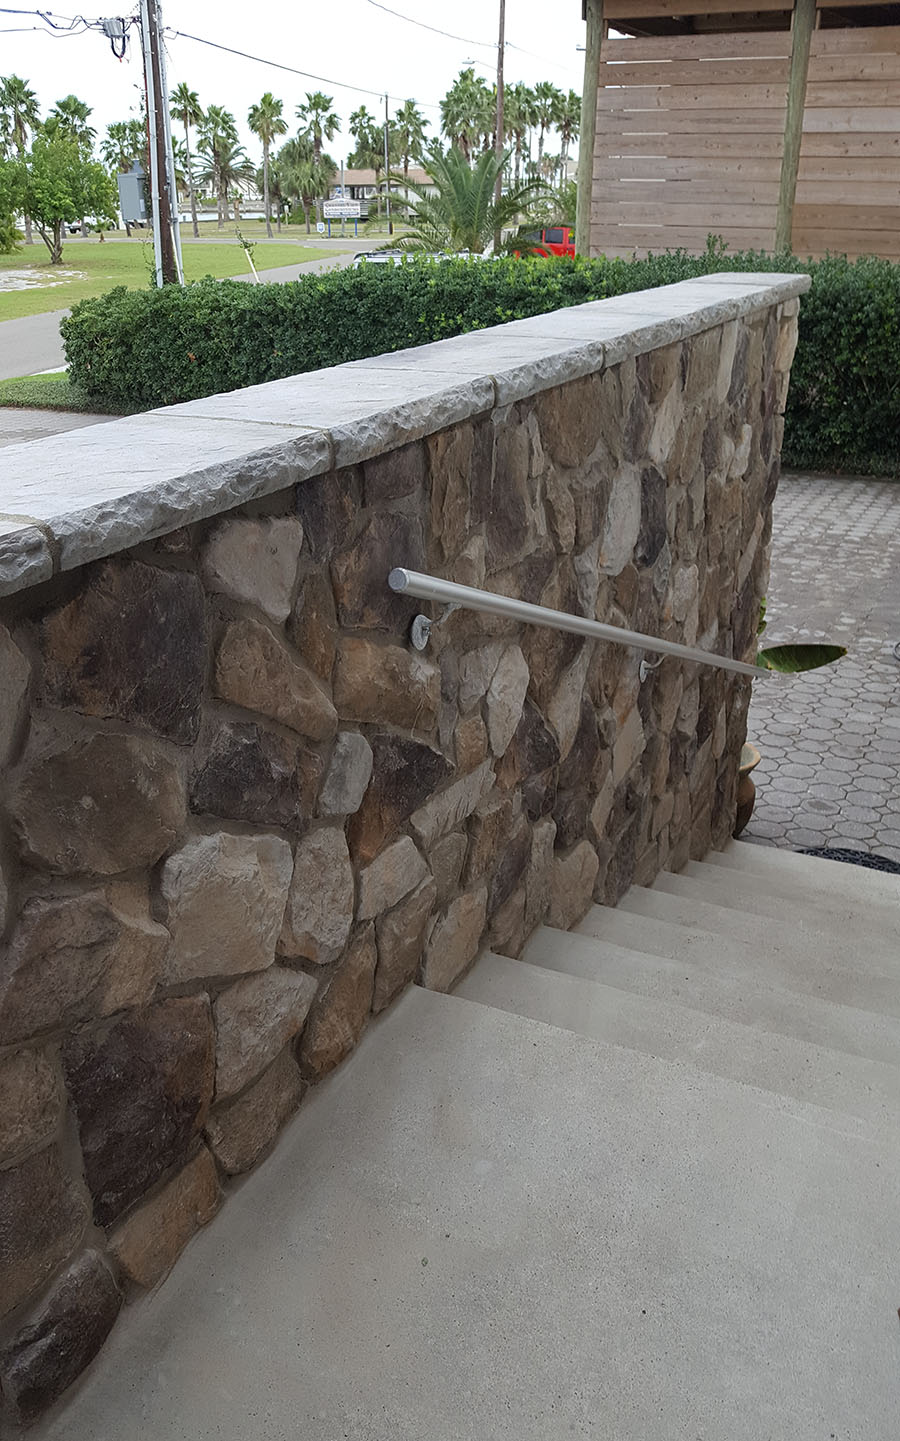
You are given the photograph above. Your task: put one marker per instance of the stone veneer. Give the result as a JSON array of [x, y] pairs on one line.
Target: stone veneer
[[240, 814]]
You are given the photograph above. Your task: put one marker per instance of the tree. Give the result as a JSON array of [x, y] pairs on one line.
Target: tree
[[61, 184], [569, 124], [19, 114], [266, 122], [548, 103], [456, 211], [185, 107], [369, 152], [318, 120], [11, 184], [519, 114], [218, 139], [124, 143], [465, 110], [303, 176], [409, 128], [69, 117], [226, 166]]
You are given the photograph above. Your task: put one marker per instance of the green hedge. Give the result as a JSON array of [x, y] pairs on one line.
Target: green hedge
[[143, 348]]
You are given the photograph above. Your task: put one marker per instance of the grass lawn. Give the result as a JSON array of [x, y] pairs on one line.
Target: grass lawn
[[46, 392], [89, 268]]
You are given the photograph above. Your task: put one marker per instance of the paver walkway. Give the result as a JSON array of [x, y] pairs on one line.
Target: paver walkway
[[830, 740]]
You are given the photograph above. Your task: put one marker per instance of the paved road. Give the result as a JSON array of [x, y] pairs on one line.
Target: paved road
[[32, 343], [830, 740]]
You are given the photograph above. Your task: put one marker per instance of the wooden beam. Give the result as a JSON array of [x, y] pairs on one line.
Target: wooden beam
[[594, 16], [801, 37]]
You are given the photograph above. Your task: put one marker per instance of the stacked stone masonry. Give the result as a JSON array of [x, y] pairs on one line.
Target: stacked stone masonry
[[240, 814]]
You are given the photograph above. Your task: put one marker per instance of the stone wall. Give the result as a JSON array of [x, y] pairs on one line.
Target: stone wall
[[241, 814]]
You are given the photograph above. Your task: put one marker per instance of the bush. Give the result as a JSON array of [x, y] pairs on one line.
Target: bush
[[139, 349]]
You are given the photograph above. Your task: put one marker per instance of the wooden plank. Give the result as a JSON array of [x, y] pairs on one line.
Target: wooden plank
[[694, 47], [832, 68], [849, 192], [858, 146], [862, 40], [802, 30], [865, 95], [838, 168], [874, 218], [846, 242], [633, 237], [718, 145], [714, 217], [655, 9], [691, 97], [841, 121], [631, 167], [705, 122], [607, 190], [698, 72]]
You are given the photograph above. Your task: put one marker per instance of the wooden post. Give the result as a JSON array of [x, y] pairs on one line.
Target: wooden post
[[593, 14], [804, 23]]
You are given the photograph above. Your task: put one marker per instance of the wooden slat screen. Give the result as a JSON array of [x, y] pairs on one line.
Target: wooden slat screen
[[848, 187], [689, 138]]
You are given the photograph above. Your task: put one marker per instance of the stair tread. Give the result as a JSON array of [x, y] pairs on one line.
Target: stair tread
[[785, 1065], [756, 894], [815, 871]]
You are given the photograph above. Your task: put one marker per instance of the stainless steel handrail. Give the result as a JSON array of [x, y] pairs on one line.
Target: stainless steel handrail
[[429, 587]]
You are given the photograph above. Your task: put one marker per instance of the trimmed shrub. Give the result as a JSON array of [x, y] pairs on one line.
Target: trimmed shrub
[[142, 348]]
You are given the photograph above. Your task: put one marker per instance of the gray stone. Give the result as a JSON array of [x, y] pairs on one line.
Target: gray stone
[[348, 775], [255, 669], [389, 878], [476, 670], [43, 1214], [387, 684], [106, 804], [240, 1131], [225, 897], [454, 942], [14, 675], [255, 1018], [446, 860], [572, 885], [47, 1355], [254, 774], [320, 903], [539, 873], [623, 520], [340, 1013], [564, 710], [148, 1243], [33, 1102], [77, 958], [445, 811], [255, 561], [401, 941], [506, 697]]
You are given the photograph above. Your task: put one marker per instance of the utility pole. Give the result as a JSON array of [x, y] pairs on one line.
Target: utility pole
[[166, 237], [387, 164], [498, 124], [593, 14]]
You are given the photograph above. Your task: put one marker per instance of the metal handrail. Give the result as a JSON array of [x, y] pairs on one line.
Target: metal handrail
[[429, 587]]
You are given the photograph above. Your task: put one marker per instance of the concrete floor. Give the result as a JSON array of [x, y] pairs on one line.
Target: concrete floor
[[488, 1228]]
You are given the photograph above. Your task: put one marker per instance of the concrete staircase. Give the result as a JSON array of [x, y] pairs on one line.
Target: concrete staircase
[[642, 1183]]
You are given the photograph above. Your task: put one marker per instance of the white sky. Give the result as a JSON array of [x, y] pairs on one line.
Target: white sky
[[347, 40]]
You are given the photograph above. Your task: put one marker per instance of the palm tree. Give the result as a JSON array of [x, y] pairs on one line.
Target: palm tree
[[69, 116], [20, 113], [464, 109], [518, 108], [369, 152], [548, 102], [569, 124], [185, 106], [409, 127], [456, 210], [318, 120], [226, 166], [303, 175], [218, 134], [124, 143], [266, 122]]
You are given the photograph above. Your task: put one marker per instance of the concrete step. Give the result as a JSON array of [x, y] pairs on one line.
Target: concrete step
[[484, 1226], [781, 898], [849, 1085], [726, 991], [828, 942], [855, 882], [773, 961]]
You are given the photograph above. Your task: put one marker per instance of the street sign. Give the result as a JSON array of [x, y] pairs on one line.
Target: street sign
[[320, 226], [341, 210]]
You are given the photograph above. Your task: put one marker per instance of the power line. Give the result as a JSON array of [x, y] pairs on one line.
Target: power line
[[484, 44]]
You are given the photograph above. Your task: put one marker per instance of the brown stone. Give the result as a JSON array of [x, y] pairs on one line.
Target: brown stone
[[507, 934], [560, 509], [652, 533], [256, 670], [43, 1360], [471, 743], [401, 941], [398, 473], [255, 561], [254, 774], [450, 461], [445, 810], [489, 828], [141, 1091], [242, 1130], [446, 859], [14, 675], [76, 958], [508, 521], [572, 885], [511, 867], [340, 1013], [534, 747], [319, 910], [564, 708], [506, 697], [386, 684], [106, 804], [131, 645], [359, 574], [540, 871], [255, 1018], [313, 624], [147, 1245], [328, 506], [43, 1215], [476, 670], [390, 877], [455, 940], [225, 897], [571, 421], [33, 1102], [404, 774]]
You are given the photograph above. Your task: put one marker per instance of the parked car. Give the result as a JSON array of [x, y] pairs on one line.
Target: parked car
[[552, 240]]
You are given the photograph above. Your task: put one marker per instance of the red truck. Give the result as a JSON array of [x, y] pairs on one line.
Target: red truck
[[553, 240]]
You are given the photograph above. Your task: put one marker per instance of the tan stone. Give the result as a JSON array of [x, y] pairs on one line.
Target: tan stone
[[455, 940], [401, 941], [255, 669], [449, 807], [564, 710], [629, 746], [255, 561], [313, 624], [319, 911], [225, 897], [387, 684], [450, 461], [489, 830], [389, 878], [561, 508], [603, 804], [148, 1244], [446, 860], [242, 1130], [623, 520], [506, 698], [572, 885], [471, 743], [349, 773], [33, 1102], [75, 958], [571, 420], [255, 1018], [476, 670], [106, 804], [539, 873], [341, 1011], [468, 568], [507, 934], [14, 676]]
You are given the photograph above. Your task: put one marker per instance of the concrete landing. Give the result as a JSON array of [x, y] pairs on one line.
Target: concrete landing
[[485, 1227], [19, 422]]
